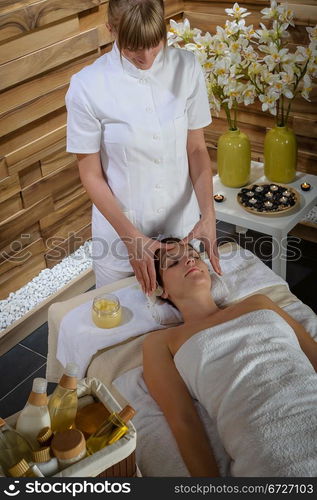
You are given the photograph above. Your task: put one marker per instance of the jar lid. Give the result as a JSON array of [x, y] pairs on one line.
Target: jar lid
[[44, 435], [19, 469], [68, 444], [42, 455]]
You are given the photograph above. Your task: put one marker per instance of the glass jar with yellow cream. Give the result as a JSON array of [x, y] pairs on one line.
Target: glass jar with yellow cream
[[106, 311]]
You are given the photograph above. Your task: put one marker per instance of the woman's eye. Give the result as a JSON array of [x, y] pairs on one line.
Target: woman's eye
[[174, 262]]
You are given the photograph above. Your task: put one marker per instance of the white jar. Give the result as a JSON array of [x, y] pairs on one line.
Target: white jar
[[69, 447], [45, 463]]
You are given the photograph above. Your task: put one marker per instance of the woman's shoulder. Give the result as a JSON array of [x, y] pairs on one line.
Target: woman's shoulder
[[90, 73], [177, 55]]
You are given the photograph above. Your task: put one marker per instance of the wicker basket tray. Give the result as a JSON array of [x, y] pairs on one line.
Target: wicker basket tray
[[280, 211]]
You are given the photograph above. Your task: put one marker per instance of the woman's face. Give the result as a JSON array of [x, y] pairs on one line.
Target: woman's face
[[182, 270], [142, 58]]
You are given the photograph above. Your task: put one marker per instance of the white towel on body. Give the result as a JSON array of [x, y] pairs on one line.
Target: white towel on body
[[260, 391]]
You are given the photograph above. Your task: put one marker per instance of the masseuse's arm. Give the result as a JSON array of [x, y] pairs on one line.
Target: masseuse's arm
[[141, 249], [171, 394], [201, 177], [307, 343]]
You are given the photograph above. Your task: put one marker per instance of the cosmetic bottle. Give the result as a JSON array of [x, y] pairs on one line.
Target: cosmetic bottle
[[114, 427], [63, 402], [13, 447], [34, 415]]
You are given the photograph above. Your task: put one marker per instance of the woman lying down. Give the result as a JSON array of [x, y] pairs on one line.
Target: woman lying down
[[250, 365]]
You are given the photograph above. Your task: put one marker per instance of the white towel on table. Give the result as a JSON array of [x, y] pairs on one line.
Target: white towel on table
[[79, 339]]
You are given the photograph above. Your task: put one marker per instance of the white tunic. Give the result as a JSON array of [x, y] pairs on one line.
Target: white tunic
[[138, 120]]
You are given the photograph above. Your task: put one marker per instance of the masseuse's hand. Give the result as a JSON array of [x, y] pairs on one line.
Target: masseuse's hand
[[205, 230], [141, 250]]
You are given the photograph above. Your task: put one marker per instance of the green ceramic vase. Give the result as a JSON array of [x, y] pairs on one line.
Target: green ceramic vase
[[234, 158], [280, 155]]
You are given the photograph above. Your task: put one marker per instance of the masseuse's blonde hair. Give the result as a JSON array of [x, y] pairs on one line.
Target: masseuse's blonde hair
[[139, 24]]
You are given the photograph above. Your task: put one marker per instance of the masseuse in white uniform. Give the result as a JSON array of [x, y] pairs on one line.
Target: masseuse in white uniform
[[135, 121]]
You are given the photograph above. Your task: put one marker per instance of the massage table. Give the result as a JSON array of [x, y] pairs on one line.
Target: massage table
[[119, 366]]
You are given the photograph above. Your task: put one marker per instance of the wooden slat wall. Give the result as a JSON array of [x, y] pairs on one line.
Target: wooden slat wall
[[44, 210]]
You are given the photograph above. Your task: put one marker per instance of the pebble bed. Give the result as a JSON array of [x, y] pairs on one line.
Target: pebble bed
[[49, 281], [46, 283]]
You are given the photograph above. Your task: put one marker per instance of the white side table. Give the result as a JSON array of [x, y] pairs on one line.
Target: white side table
[[278, 227]]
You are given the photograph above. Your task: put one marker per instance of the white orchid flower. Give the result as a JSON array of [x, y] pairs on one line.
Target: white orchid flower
[[279, 88], [302, 54], [312, 32], [268, 103], [203, 40], [275, 56], [221, 34], [286, 15], [221, 70], [232, 27], [237, 12], [249, 95], [288, 76], [264, 35], [307, 87]]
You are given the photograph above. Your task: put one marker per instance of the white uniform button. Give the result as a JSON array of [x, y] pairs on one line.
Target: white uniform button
[[157, 161], [158, 186], [156, 137], [160, 210], [148, 109]]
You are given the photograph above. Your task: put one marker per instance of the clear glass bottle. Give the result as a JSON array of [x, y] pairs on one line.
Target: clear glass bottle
[[13, 446], [23, 469], [64, 401], [45, 463], [111, 430], [69, 447], [34, 415]]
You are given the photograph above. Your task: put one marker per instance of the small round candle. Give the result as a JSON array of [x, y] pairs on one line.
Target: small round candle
[[250, 193], [269, 194], [273, 187], [259, 189], [286, 193], [252, 201], [219, 197], [305, 186], [283, 199], [268, 204]]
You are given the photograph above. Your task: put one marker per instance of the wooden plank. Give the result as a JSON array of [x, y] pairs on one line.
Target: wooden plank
[[14, 226], [36, 317], [3, 169], [30, 174], [32, 111], [20, 258], [9, 186], [173, 7], [56, 161], [67, 219], [29, 235], [16, 278], [66, 196], [38, 40], [42, 60], [26, 17], [306, 231], [59, 248], [26, 146], [10, 207], [50, 185], [28, 92], [305, 125]]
